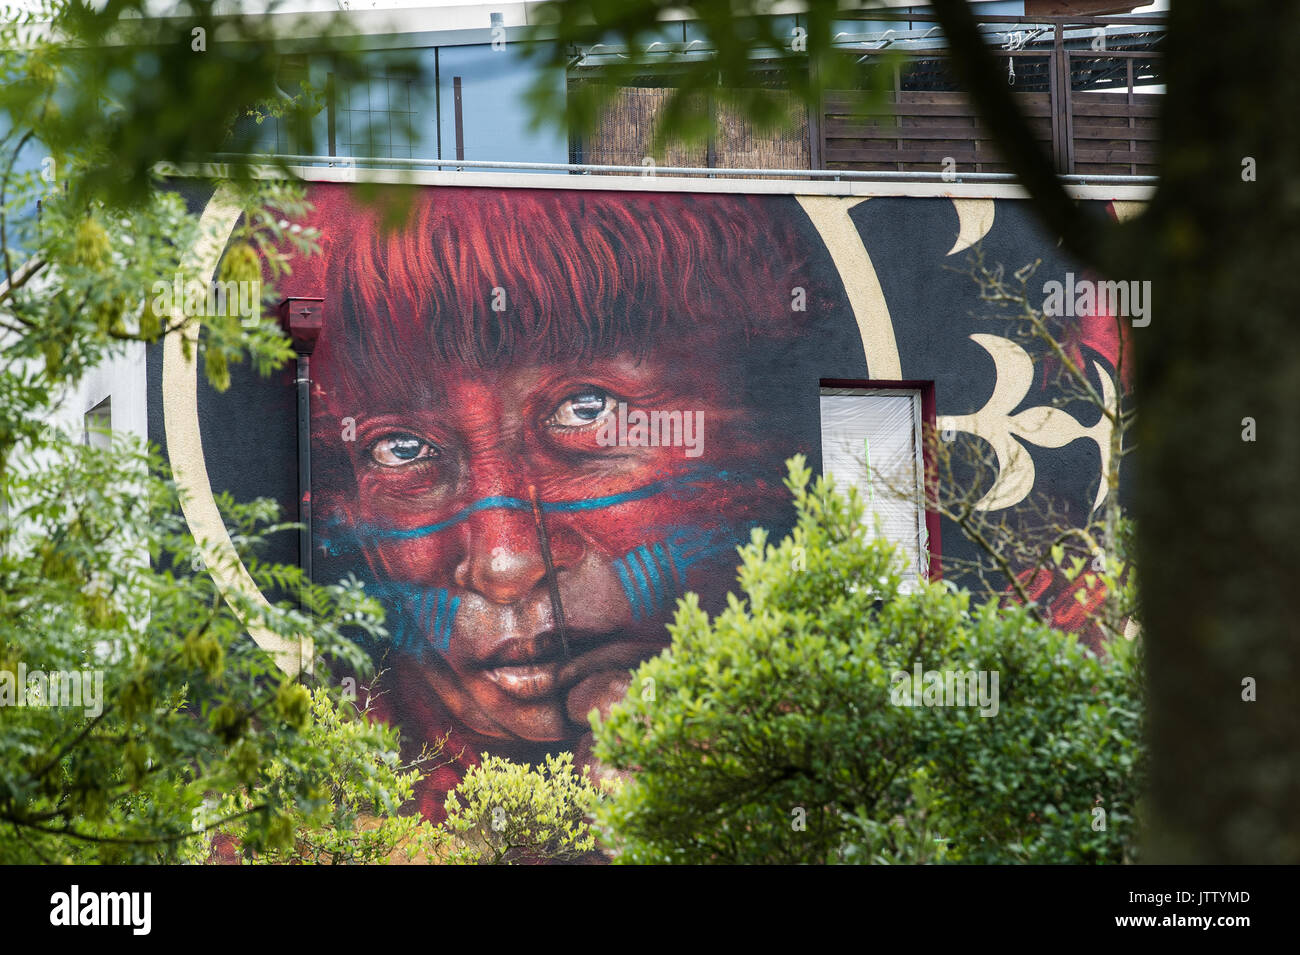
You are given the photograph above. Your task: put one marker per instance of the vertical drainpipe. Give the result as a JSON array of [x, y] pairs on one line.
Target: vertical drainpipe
[[302, 320]]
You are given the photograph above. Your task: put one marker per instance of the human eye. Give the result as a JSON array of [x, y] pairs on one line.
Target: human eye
[[399, 449], [584, 407]]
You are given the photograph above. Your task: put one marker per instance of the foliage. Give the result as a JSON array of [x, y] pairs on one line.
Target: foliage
[[99, 573], [1043, 544], [734, 44], [773, 734], [352, 816], [504, 813], [98, 578], [124, 88]]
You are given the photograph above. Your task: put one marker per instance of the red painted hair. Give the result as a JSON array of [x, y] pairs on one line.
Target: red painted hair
[[571, 273]]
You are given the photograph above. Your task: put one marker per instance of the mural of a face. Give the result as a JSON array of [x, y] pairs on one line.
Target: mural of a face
[[479, 455], [462, 501], [539, 419]]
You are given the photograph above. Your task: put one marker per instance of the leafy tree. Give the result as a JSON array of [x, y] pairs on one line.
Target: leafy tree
[[504, 813], [353, 817], [776, 731], [159, 698], [98, 580]]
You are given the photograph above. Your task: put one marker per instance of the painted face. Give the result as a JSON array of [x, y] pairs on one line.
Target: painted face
[[530, 537]]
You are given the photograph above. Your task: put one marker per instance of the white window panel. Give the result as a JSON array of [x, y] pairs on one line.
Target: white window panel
[[871, 439], [98, 425]]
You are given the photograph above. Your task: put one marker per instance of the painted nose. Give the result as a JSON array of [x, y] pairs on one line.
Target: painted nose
[[505, 560]]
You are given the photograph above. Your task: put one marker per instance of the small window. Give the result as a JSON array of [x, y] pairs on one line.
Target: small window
[[871, 439], [98, 425]]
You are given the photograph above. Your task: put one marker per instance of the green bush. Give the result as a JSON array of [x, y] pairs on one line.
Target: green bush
[[773, 731], [504, 813], [349, 812]]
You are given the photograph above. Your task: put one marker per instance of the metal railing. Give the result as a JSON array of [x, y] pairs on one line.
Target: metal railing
[[711, 172]]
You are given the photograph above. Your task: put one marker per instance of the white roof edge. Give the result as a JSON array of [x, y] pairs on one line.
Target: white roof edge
[[469, 18], [532, 180], [476, 14]]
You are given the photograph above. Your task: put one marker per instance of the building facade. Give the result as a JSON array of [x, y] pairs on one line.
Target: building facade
[[538, 416], [552, 402]]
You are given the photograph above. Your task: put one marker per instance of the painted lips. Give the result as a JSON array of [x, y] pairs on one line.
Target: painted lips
[[534, 668]]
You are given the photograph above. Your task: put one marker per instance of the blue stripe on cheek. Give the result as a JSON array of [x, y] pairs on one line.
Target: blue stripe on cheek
[[628, 590], [451, 619], [660, 595], [666, 563], [417, 617], [650, 579], [643, 588], [447, 607], [422, 617], [434, 633]]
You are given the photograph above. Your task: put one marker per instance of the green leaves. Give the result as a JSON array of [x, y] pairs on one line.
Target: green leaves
[[741, 61], [99, 574], [332, 799], [98, 580], [504, 813], [293, 703], [780, 710], [90, 245]]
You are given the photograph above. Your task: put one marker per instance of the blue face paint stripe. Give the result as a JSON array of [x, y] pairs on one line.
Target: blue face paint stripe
[[643, 585], [417, 616], [671, 585], [517, 504], [627, 588], [447, 614], [691, 480], [422, 614], [399, 624], [435, 632], [337, 537], [665, 561], [660, 593]]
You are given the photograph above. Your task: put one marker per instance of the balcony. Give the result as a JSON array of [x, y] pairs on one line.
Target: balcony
[[1090, 87]]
